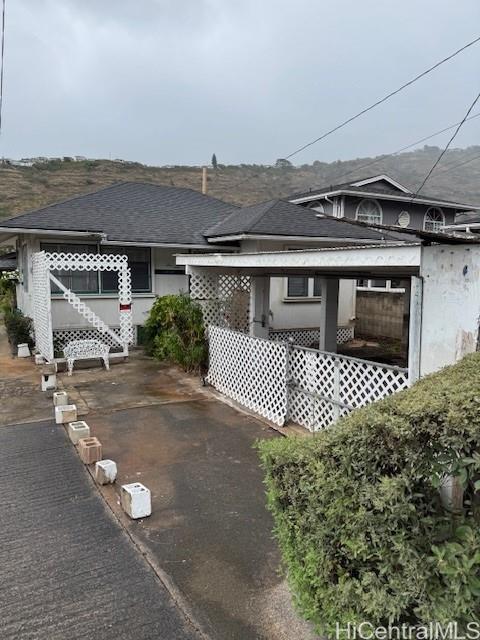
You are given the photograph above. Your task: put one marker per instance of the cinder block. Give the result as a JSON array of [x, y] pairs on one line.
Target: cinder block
[[105, 471], [90, 450], [49, 381], [136, 500], [39, 359], [65, 413], [60, 398], [23, 351], [77, 430]]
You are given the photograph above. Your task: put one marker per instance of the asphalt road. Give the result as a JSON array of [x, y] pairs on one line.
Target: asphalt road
[[67, 568]]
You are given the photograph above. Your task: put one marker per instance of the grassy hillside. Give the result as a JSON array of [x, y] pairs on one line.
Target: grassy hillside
[[24, 188]]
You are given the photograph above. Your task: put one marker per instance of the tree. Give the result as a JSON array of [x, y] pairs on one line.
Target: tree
[[214, 162]]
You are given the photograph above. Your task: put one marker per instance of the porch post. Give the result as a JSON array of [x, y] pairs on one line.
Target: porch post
[[259, 318], [415, 329], [328, 315]]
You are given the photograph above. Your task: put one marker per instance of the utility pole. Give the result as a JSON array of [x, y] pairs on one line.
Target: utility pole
[[204, 180]]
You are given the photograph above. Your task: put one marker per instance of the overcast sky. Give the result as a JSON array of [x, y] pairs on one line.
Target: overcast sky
[[172, 81]]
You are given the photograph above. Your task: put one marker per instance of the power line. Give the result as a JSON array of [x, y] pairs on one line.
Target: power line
[[460, 164], [394, 153], [2, 56], [469, 110], [384, 99]]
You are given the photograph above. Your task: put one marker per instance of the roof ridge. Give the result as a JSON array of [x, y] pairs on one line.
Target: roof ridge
[[211, 230]]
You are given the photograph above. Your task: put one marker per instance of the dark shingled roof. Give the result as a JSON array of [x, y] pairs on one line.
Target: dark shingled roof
[[8, 262], [132, 212], [282, 218], [378, 192]]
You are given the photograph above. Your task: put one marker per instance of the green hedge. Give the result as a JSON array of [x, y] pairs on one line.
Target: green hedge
[[358, 517], [175, 332]]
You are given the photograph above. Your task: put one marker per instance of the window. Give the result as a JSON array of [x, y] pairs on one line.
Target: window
[[139, 261], [434, 219], [303, 287], [297, 287], [369, 211], [77, 281], [316, 205], [403, 219], [381, 284]]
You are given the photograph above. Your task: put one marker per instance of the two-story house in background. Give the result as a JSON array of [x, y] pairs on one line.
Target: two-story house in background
[[378, 200]]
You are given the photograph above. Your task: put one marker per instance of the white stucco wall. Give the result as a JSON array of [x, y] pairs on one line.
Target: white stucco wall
[[451, 304]]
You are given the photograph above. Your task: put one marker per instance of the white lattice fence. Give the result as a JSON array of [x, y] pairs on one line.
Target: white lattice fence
[[324, 386], [251, 371], [42, 316], [225, 299], [307, 336]]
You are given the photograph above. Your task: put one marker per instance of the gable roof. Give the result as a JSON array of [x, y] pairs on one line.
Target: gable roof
[[366, 188], [283, 218], [133, 212]]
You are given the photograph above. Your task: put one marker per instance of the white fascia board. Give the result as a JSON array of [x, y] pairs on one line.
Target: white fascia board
[[462, 225], [165, 245], [348, 258], [326, 239], [384, 177], [50, 232], [381, 196]]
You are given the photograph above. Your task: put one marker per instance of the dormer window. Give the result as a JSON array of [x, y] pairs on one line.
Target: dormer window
[[316, 205], [434, 219], [369, 211]]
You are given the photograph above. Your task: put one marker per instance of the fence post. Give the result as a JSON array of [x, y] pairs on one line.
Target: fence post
[[336, 389]]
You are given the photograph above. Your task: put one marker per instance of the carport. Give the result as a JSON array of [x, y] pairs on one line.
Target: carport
[[442, 307]]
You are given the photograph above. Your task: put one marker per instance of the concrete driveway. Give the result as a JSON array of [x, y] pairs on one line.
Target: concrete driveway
[[67, 567], [209, 538]]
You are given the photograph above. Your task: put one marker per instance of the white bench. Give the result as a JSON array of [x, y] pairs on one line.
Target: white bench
[[86, 350]]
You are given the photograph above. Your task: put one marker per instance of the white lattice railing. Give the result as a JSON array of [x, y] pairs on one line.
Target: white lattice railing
[[251, 371], [283, 382], [225, 299], [307, 336], [324, 386]]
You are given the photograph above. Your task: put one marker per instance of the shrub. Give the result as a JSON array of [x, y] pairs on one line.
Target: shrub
[[175, 332], [19, 328], [363, 533]]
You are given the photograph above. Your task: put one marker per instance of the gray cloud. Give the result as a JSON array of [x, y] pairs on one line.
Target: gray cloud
[[172, 81]]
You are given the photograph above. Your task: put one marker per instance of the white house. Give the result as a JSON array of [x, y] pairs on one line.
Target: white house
[[151, 224]]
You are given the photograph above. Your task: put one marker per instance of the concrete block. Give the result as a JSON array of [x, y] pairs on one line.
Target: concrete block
[[39, 359], [49, 381], [77, 430], [105, 471], [60, 398], [90, 450], [23, 351], [65, 413], [136, 500]]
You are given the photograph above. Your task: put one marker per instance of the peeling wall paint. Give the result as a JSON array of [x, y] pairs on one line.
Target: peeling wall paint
[[451, 304]]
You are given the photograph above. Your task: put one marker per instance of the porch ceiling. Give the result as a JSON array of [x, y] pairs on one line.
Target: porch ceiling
[[343, 262]]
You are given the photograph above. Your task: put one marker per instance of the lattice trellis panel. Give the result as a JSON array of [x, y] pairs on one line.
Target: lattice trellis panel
[[61, 337], [44, 263], [225, 299], [251, 371], [305, 337], [42, 316], [324, 386]]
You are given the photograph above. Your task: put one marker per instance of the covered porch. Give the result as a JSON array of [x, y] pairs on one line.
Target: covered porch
[[313, 387]]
